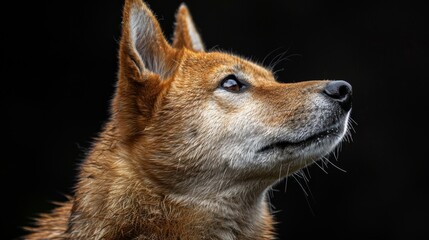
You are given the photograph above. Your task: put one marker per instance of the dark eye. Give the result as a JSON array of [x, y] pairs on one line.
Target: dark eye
[[232, 84]]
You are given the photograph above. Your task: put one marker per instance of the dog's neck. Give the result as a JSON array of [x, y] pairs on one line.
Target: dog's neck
[[235, 213], [232, 209], [125, 198]]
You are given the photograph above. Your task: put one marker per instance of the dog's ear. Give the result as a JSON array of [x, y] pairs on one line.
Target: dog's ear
[[146, 59], [143, 47], [185, 34]]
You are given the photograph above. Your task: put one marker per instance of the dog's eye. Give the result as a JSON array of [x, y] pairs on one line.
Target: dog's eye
[[232, 84]]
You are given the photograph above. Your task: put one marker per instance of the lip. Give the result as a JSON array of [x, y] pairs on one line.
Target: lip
[[322, 135]]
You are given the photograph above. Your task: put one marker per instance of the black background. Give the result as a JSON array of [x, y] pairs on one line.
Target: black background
[[59, 64]]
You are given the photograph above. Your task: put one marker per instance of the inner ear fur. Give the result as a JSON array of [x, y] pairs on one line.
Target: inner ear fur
[[143, 47], [145, 60]]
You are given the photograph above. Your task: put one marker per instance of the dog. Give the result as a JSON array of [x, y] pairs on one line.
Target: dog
[[195, 140]]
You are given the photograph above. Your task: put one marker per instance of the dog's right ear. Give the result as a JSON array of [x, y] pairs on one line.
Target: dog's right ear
[[146, 59], [143, 47]]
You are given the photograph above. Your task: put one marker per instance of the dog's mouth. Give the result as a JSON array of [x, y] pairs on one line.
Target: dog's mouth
[[319, 137]]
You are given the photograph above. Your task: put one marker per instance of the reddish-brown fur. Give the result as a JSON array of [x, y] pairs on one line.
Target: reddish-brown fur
[[150, 151]]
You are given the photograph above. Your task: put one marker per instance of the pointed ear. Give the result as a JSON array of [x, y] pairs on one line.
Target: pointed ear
[[143, 47], [145, 60], [185, 34]]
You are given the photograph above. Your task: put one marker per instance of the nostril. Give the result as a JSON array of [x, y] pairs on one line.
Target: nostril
[[340, 91], [343, 91]]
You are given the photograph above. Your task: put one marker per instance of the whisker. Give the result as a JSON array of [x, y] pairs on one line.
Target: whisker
[[302, 187], [271, 206], [342, 170], [282, 58], [305, 194], [287, 176], [334, 153], [214, 48], [321, 168], [265, 58], [279, 70], [275, 59], [306, 181], [324, 164], [308, 172], [305, 176], [353, 121], [337, 152]]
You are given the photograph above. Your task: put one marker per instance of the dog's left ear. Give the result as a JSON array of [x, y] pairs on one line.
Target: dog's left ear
[[185, 34]]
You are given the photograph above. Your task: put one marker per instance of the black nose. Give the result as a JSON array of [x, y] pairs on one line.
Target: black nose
[[341, 92]]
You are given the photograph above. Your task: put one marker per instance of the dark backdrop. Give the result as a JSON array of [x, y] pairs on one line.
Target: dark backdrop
[[59, 64]]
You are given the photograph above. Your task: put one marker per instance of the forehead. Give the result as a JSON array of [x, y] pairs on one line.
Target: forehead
[[218, 64]]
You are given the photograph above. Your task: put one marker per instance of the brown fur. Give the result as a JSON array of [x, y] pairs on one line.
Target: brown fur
[[152, 171]]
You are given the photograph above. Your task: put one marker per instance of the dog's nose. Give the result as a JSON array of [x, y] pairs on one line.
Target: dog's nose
[[341, 92]]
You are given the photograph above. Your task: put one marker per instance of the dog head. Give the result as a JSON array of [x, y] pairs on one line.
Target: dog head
[[194, 116]]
